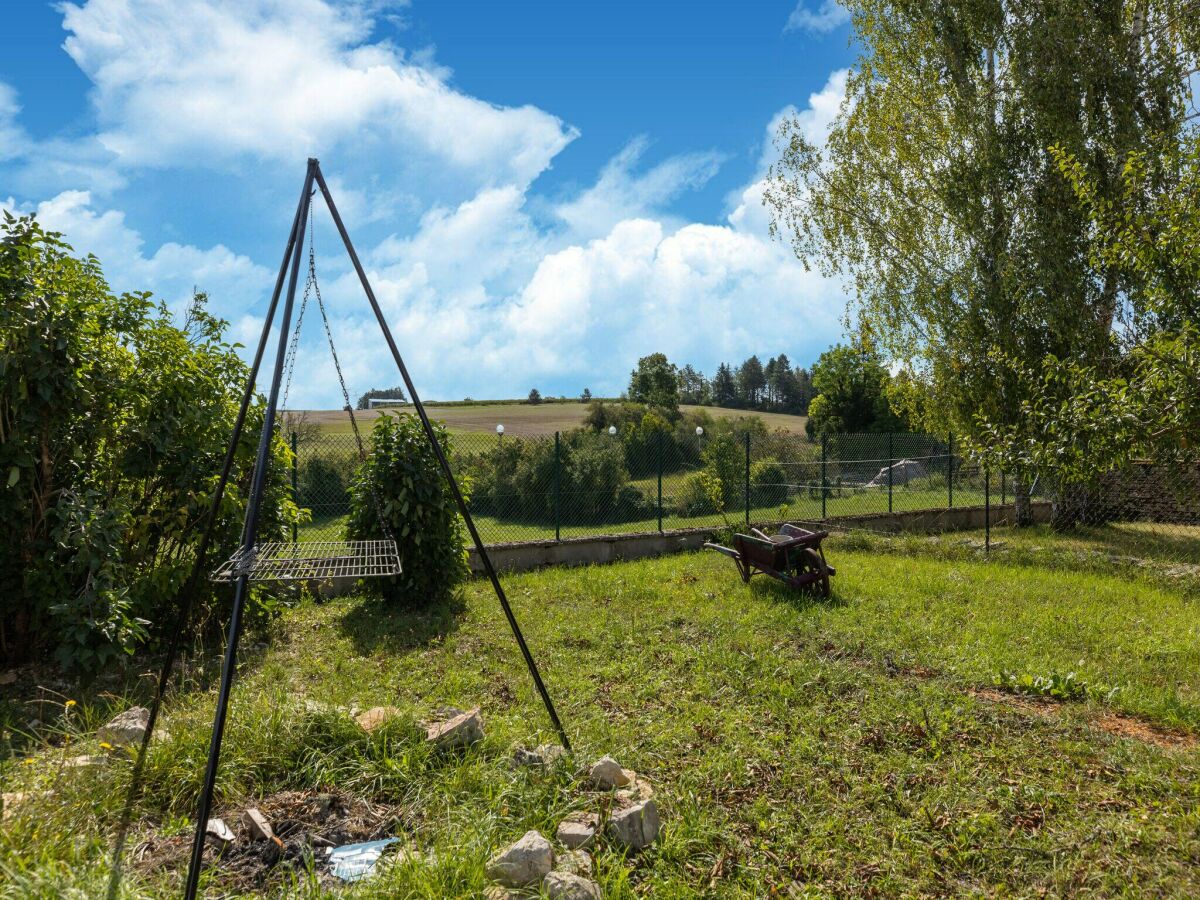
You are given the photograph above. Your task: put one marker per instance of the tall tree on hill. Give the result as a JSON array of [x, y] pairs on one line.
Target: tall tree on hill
[[852, 393], [751, 381], [724, 386], [693, 386], [937, 195], [655, 382]]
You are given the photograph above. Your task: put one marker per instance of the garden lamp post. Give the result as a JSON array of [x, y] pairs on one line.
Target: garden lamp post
[[500, 433], [612, 429], [699, 435]]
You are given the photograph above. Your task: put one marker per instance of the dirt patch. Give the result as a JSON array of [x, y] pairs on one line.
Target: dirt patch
[[1035, 705], [1110, 722], [1128, 727], [307, 824]]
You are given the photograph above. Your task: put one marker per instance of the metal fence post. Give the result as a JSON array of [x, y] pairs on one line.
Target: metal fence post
[[987, 510], [824, 477], [557, 488], [660, 474], [891, 462], [747, 479], [295, 486], [950, 472]]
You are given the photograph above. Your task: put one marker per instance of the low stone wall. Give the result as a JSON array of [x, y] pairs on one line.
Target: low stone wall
[[616, 547]]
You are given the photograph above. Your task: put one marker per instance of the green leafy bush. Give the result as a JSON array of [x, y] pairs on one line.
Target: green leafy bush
[[1054, 686], [517, 479], [402, 483], [768, 481], [114, 421]]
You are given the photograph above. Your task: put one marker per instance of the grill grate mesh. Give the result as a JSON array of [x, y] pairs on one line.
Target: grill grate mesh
[[286, 561]]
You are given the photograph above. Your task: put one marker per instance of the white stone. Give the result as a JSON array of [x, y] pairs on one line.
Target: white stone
[[256, 823], [635, 826], [543, 756], [460, 731], [565, 886], [525, 862], [127, 729], [85, 761], [578, 830], [573, 862], [606, 774], [638, 789], [218, 829]]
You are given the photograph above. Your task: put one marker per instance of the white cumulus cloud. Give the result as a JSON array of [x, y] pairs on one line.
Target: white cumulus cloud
[[178, 81], [825, 18]]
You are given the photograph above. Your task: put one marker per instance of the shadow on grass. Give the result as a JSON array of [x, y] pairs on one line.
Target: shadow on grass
[[394, 627], [763, 588]]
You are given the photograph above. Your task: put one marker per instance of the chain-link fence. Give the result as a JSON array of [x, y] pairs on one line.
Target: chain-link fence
[[580, 483]]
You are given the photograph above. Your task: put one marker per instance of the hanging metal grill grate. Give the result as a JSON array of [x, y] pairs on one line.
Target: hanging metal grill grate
[[285, 561]]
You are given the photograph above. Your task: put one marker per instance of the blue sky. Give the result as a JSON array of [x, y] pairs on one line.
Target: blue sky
[[542, 191]]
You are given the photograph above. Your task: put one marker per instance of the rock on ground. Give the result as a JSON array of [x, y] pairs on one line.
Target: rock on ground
[[565, 886], [578, 830], [462, 730], [544, 755], [375, 716], [257, 825], [635, 826], [606, 774], [216, 828], [638, 789], [525, 862], [573, 862], [127, 729]]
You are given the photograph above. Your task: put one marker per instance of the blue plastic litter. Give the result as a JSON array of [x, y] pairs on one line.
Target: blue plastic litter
[[354, 861]]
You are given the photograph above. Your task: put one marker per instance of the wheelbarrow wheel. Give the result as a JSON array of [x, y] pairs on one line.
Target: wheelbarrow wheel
[[810, 562]]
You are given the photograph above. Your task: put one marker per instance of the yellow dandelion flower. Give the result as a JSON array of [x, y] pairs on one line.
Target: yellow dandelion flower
[[69, 704], [105, 745]]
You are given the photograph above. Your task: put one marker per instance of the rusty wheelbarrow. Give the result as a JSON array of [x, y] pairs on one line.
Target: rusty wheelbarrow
[[793, 556]]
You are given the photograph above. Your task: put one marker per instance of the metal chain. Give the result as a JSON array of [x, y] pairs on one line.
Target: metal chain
[[349, 407]]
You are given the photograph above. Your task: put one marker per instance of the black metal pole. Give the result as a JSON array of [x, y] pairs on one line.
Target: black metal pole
[[824, 478], [254, 503], [295, 485], [747, 479], [187, 595], [950, 472], [987, 510], [443, 461], [557, 487], [890, 464], [660, 468]]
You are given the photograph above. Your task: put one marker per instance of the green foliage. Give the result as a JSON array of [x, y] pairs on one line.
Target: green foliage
[[655, 383], [516, 479], [402, 486], [1082, 420], [936, 197], [851, 385], [768, 482], [113, 426], [1054, 686], [535, 397]]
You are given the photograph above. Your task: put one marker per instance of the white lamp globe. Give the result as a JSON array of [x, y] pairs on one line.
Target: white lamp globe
[[699, 431], [499, 429], [612, 429]]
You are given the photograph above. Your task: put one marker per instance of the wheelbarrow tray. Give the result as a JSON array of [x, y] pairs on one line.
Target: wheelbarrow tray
[[794, 556]]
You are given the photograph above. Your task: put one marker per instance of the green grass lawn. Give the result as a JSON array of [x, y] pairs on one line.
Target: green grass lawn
[[848, 747], [801, 507]]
